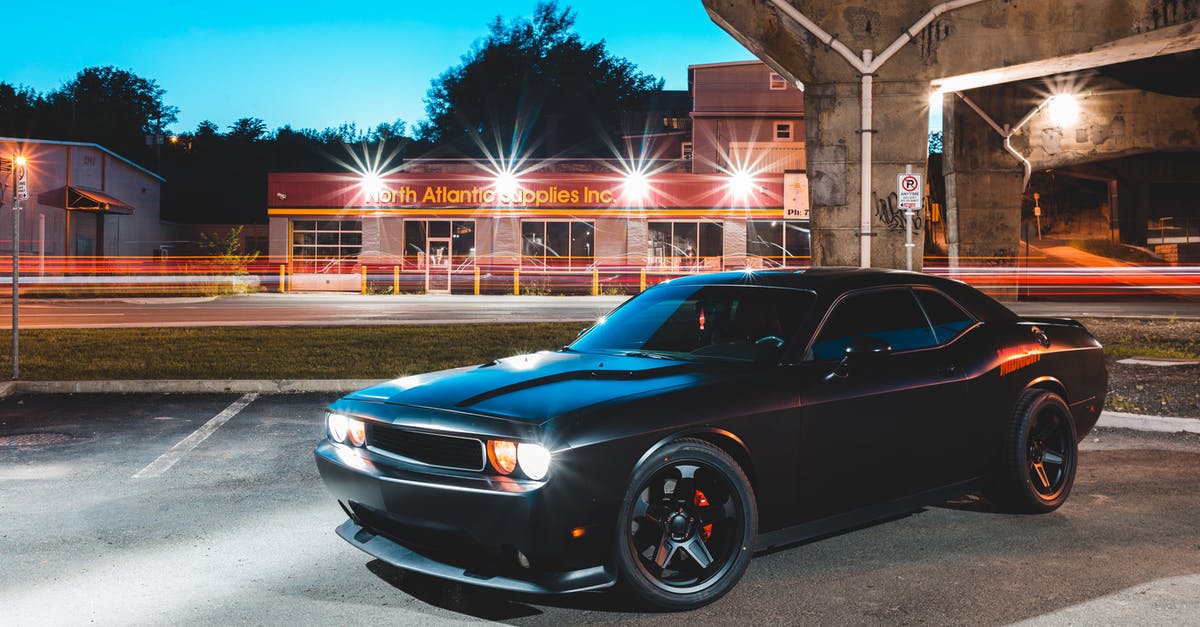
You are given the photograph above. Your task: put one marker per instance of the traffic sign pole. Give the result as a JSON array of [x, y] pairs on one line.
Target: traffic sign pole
[[908, 193]]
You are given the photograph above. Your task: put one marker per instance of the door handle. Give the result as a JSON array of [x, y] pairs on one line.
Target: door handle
[[948, 370]]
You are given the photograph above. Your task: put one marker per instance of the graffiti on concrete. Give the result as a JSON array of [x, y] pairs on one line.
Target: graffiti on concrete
[[888, 213]]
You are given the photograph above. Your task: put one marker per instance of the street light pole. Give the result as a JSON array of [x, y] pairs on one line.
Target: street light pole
[[19, 182]]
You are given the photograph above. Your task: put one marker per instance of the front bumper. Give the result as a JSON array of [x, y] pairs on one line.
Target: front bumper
[[465, 527], [403, 557]]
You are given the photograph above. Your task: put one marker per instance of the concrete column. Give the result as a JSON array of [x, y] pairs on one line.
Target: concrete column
[[984, 185], [371, 241], [901, 138], [278, 244], [734, 244], [390, 236], [610, 241], [637, 241]]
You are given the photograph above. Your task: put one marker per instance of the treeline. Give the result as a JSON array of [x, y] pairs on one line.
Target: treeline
[[531, 86]]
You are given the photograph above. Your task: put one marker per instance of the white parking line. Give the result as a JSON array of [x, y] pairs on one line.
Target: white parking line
[[168, 459]]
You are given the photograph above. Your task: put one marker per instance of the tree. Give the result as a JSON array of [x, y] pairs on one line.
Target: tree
[[22, 111], [112, 107], [535, 85], [248, 129]]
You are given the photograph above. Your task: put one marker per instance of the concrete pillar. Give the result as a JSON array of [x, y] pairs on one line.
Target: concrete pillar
[[611, 241], [984, 185], [734, 244], [901, 136], [390, 236], [278, 244]]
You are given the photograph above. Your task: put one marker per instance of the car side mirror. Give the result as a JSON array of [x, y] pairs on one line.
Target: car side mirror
[[768, 348], [861, 348], [867, 346]]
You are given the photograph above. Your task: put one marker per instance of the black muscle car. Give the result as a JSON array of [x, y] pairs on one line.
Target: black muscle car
[[707, 418]]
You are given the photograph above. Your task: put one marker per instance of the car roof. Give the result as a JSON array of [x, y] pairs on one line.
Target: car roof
[[832, 281]]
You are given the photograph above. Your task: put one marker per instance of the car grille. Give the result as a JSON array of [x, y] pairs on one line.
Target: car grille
[[433, 449]]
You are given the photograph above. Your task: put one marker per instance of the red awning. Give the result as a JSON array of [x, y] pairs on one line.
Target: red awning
[[84, 199]]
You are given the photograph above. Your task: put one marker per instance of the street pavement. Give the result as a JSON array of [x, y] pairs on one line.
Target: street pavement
[[206, 509], [354, 309]]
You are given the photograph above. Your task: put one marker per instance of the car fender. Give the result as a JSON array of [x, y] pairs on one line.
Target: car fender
[[1049, 383], [721, 438]]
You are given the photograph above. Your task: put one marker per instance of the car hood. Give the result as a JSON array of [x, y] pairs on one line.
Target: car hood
[[540, 386]]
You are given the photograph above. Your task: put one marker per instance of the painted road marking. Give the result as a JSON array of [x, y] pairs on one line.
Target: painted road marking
[[171, 457]]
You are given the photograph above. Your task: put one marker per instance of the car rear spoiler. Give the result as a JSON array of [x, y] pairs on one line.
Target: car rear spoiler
[[1066, 322]]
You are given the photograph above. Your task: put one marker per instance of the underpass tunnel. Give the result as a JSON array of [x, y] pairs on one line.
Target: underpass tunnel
[[1129, 154]]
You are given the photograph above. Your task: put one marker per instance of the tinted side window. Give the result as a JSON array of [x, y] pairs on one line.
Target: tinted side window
[[892, 316], [948, 320]]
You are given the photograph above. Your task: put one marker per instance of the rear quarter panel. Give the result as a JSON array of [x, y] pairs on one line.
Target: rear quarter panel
[[1005, 359]]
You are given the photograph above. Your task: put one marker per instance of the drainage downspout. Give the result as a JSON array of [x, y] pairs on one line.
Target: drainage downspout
[[866, 68], [1007, 132], [866, 133]]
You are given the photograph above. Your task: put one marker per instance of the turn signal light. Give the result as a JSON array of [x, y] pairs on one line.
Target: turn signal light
[[357, 433], [503, 455]]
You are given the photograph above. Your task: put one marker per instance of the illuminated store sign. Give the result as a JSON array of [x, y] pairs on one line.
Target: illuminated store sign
[[483, 195]]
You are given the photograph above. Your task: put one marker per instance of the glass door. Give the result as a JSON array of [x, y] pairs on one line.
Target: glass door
[[437, 265]]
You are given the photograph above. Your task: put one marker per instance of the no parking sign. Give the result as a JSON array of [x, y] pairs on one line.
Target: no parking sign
[[909, 194]]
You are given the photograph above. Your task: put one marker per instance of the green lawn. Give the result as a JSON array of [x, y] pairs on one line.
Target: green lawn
[[381, 352]]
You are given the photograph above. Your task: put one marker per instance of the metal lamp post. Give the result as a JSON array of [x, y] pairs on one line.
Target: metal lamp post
[[20, 191]]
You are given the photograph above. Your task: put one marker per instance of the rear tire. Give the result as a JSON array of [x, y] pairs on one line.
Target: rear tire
[[687, 526], [1040, 454]]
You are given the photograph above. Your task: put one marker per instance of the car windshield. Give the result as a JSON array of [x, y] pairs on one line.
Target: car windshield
[[701, 321]]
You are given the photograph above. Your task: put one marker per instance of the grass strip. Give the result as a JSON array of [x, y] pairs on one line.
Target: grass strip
[[376, 352]]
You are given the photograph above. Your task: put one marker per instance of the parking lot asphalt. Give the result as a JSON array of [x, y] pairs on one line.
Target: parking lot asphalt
[[207, 509]]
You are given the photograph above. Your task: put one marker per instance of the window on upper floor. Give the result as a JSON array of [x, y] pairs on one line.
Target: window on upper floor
[[778, 82], [783, 131]]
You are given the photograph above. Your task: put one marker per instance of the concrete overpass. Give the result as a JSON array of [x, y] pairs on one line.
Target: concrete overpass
[[869, 70]]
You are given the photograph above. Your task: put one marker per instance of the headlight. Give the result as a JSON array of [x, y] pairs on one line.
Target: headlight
[[534, 460], [338, 426]]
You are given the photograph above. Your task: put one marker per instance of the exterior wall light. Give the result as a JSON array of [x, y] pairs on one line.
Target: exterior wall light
[[636, 186], [1063, 109], [741, 183]]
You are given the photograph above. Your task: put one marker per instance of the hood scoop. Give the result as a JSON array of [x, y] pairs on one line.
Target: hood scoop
[[575, 375]]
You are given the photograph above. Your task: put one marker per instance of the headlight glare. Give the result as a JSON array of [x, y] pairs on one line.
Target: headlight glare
[[338, 426], [534, 460], [357, 433]]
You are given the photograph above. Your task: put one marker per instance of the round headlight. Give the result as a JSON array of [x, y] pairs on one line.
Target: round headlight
[[338, 425], [534, 460]]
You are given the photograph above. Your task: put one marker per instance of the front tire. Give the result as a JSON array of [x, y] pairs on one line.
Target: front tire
[[687, 526], [1037, 466]]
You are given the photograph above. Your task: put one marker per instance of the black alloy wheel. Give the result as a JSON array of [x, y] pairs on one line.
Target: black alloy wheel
[[687, 526], [1040, 455]]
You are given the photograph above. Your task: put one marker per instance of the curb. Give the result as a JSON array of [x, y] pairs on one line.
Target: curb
[[1137, 422], [1108, 419], [186, 386]]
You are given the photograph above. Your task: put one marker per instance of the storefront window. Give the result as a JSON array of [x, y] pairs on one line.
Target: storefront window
[[686, 245], [418, 232], [321, 242], [772, 243], [558, 244]]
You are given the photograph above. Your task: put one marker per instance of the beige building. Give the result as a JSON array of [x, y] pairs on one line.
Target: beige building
[[744, 116], [83, 201]]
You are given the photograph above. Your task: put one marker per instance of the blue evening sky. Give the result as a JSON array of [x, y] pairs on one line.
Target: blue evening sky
[[319, 64]]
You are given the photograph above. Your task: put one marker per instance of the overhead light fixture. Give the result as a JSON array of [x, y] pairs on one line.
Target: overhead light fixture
[[1063, 109]]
